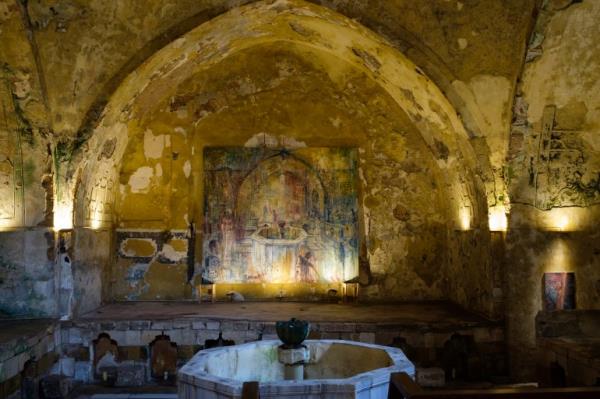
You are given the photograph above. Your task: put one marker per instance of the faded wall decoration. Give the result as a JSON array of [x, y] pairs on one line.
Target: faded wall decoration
[[11, 168], [562, 166], [280, 216], [559, 291]]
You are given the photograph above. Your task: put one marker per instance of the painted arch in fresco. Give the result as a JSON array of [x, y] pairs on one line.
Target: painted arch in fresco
[[280, 216]]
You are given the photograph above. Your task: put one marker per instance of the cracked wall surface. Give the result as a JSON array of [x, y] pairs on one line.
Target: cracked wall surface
[[275, 89], [69, 57], [553, 169], [106, 107]]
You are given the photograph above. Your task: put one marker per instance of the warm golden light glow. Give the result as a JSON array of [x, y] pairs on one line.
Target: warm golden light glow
[[562, 222], [559, 258], [96, 223], [63, 216], [465, 218], [497, 218], [562, 219], [6, 224]]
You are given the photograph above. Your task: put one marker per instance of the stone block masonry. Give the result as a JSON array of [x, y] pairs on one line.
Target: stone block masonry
[[68, 349]]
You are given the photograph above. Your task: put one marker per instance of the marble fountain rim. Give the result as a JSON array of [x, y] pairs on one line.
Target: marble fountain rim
[[355, 383]]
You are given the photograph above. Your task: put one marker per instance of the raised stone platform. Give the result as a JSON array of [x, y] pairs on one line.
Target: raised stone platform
[[26, 346], [436, 314], [568, 346], [139, 334]]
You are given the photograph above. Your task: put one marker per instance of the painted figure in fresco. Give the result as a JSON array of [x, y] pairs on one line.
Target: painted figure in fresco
[[211, 261], [211, 268], [227, 230], [280, 219], [306, 270]]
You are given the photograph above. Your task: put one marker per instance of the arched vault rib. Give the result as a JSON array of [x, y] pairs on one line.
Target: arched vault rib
[[297, 22]]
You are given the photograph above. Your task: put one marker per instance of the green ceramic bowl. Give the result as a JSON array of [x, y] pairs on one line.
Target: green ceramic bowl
[[293, 332]]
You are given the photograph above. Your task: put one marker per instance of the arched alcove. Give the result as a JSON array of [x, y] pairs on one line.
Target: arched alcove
[[284, 175], [301, 75]]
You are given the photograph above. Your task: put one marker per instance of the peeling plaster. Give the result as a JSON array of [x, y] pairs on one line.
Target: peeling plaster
[[385, 104], [140, 180], [172, 254], [153, 145]]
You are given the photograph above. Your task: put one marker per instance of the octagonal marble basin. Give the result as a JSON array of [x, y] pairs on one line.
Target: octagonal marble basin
[[336, 369]]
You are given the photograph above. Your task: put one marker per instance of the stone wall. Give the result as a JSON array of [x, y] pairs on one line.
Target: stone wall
[[60, 63], [567, 347], [92, 256], [553, 170], [125, 352], [483, 345], [58, 89], [24, 360], [27, 273]]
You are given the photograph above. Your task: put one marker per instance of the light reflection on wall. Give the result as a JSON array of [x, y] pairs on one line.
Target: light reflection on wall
[[465, 218], [63, 216], [96, 221], [561, 219], [563, 222], [558, 258], [6, 224], [497, 218]]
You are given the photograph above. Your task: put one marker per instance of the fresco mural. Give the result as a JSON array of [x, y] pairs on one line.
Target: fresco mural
[[280, 216], [559, 291]]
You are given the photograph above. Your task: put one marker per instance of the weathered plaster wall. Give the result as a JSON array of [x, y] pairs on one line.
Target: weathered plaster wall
[[64, 59], [472, 50], [93, 46], [26, 182], [27, 273], [284, 91], [91, 268], [153, 89], [138, 161], [477, 255], [25, 159], [554, 168]]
